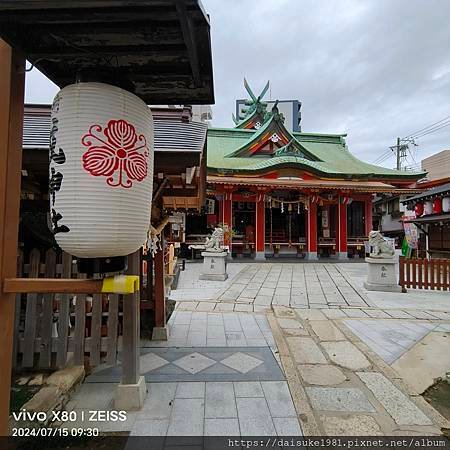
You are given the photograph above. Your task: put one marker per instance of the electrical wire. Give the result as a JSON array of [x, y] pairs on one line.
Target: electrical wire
[[433, 130], [429, 129], [426, 128], [386, 155]]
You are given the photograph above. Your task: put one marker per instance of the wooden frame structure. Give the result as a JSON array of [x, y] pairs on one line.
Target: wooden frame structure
[[12, 84], [167, 63]]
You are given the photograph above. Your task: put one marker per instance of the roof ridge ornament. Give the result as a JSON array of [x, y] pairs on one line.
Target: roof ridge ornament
[[254, 108], [279, 117], [252, 95]]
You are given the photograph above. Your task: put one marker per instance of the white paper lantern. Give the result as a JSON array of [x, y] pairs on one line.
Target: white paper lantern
[[428, 208], [101, 170], [446, 204]]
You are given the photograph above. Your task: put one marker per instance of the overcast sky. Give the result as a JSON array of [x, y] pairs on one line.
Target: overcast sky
[[375, 69]]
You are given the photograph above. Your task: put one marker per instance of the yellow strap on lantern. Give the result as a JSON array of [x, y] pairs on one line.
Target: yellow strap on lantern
[[121, 284]]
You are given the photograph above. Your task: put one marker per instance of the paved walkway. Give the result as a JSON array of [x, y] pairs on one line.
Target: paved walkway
[[339, 383], [255, 287], [217, 375], [261, 285], [287, 349]]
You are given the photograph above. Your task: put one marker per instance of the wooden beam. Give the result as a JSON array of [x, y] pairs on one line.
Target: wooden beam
[[189, 39], [157, 52], [12, 83], [52, 285]]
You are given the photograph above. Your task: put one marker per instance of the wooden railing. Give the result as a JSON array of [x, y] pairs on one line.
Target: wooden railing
[[49, 327], [421, 273]]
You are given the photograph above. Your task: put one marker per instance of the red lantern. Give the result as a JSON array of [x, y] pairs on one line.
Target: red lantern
[[418, 209], [437, 205]]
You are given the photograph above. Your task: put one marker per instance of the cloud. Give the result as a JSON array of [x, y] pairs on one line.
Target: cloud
[[375, 69]]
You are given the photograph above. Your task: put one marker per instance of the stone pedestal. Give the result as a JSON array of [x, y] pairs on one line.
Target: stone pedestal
[[160, 333], [381, 275], [131, 397], [260, 256], [311, 256], [214, 266]]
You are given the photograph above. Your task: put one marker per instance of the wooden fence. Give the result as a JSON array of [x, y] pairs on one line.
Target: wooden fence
[[421, 273], [50, 328]]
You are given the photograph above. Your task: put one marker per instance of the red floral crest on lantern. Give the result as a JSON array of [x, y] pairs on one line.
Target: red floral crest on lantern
[[114, 152]]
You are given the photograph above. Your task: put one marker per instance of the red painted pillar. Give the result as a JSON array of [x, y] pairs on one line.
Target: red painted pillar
[[227, 214], [260, 227], [368, 215], [341, 232], [220, 218], [312, 231]]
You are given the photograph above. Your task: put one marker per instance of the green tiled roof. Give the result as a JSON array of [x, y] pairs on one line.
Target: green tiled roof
[[332, 157]]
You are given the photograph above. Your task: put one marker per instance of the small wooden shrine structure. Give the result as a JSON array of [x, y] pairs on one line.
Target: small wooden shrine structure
[[160, 51]]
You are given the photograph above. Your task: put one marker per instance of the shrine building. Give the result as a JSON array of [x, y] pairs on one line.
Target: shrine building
[[280, 192]]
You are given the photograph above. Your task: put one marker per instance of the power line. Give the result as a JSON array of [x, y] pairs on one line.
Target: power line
[[425, 128], [383, 156], [402, 148], [432, 130]]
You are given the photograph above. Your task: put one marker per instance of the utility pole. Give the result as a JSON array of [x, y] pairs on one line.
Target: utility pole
[[398, 154]]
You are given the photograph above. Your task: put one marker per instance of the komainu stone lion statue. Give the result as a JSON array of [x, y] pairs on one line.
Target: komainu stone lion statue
[[213, 243], [380, 247]]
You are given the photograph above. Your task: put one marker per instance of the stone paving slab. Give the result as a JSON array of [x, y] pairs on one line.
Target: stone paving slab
[[343, 401], [214, 329], [339, 399], [198, 409], [402, 410], [389, 339], [351, 425], [321, 375], [305, 350], [345, 354], [203, 364], [295, 285]]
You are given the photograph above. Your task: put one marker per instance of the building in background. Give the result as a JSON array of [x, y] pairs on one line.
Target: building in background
[[430, 213], [391, 212], [437, 166]]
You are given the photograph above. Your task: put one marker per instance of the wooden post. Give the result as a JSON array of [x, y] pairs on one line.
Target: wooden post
[[12, 81], [131, 327], [342, 229], [220, 210], [401, 277], [160, 294], [260, 227], [368, 215], [228, 215], [312, 230]]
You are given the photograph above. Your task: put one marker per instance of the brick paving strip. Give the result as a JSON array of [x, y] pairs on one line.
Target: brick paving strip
[[339, 385]]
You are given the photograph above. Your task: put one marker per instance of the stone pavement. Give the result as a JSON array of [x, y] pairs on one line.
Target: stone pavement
[[282, 348], [255, 286], [351, 357], [217, 375], [340, 385]]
